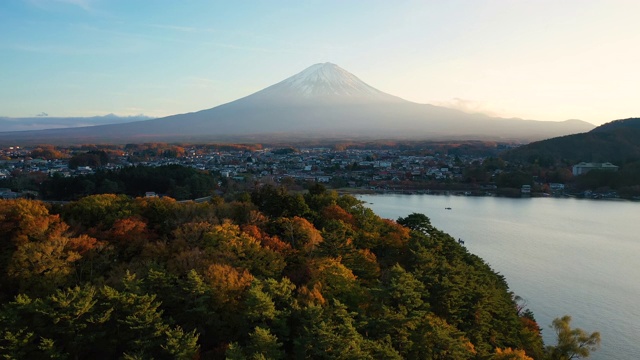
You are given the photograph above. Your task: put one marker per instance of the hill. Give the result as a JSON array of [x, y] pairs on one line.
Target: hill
[[631, 123], [617, 142], [323, 101], [282, 275]]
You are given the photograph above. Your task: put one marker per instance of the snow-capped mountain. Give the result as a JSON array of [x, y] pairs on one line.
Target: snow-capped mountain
[[326, 80], [322, 101]]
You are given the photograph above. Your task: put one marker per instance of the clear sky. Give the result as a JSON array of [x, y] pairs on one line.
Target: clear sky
[[535, 59]]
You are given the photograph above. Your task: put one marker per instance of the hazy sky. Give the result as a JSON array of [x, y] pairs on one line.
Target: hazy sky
[[536, 59]]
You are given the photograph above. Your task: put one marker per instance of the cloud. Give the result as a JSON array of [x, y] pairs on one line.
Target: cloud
[[470, 107]]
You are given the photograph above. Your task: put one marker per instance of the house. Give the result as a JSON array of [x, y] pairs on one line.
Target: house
[[584, 167], [556, 187]]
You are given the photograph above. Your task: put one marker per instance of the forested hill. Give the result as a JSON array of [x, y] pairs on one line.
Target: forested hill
[[617, 142], [631, 123], [269, 275]]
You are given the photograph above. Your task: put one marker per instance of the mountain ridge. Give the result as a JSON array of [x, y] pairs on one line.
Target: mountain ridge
[[58, 122], [617, 141]]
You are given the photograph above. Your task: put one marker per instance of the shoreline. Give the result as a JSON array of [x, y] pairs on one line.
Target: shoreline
[[356, 191]]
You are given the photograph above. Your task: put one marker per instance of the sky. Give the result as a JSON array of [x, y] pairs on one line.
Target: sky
[[536, 59]]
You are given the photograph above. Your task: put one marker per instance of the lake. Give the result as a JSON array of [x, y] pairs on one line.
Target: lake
[[563, 256]]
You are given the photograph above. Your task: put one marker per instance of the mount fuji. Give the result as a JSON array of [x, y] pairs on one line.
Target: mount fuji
[[323, 101]]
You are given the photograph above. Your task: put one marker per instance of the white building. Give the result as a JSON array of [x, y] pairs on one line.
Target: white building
[[584, 167]]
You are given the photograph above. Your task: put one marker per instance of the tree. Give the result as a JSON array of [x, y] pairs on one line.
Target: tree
[[23, 220], [228, 283], [337, 239], [299, 233], [329, 333], [530, 332], [37, 250], [572, 343], [417, 222], [260, 308], [434, 338], [41, 266], [47, 152], [510, 354], [335, 212], [276, 202], [159, 213], [90, 323], [318, 197], [99, 211], [264, 345], [402, 308], [91, 158], [229, 245], [335, 281], [129, 235]]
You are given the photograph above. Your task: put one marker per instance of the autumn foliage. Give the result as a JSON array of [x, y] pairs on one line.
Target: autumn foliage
[[273, 275]]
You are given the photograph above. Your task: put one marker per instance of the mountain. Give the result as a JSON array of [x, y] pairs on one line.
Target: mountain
[[328, 82], [322, 101], [617, 142], [625, 124], [46, 122]]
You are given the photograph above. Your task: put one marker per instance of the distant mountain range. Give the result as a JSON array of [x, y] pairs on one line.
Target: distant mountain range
[[322, 102], [46, 122], [617, 142]]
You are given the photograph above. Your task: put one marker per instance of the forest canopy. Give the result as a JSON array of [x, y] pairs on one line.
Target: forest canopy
[[270, 275]]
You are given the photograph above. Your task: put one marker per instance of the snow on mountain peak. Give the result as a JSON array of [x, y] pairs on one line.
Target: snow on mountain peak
[[328, 79], [324, 82]]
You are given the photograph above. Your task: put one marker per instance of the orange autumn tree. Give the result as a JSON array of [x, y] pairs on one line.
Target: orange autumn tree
[[299, 233], [226, 243], [38, 250], [271, 242], [227, 282], [129, 236], [510, 354]]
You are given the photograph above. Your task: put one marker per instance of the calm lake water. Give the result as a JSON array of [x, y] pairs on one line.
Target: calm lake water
[[563, 256]]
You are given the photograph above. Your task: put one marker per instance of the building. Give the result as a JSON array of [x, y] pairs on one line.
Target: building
[[556, 188], [584, 167]]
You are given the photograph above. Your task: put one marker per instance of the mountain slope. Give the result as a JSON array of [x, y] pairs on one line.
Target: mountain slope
[[617, 141], [322, 101]]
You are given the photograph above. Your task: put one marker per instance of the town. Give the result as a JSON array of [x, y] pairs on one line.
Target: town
[[443, 169]]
